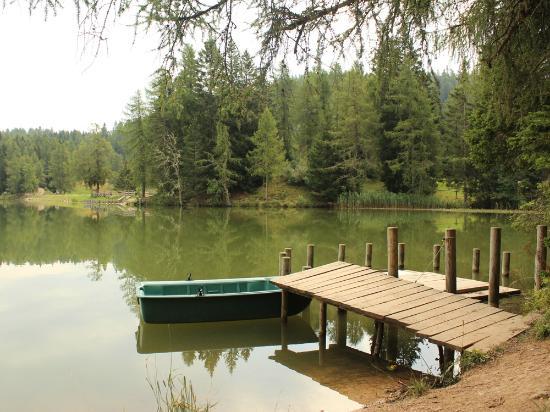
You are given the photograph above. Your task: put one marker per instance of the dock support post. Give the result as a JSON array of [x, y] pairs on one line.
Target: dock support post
[[436, 257], [310, 255], [284, 293], [476, 254], [392, 251], [341, 327], [306, 268], [341, 252], [506, 264], [368, 255], [322, 331], [450, 260], [401, 256], [540, 257], [494, 266]]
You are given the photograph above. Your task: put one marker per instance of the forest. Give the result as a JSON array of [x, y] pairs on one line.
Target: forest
[[218, 124]]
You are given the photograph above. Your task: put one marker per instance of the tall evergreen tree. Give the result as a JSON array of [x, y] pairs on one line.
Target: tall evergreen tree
[[267, 158]]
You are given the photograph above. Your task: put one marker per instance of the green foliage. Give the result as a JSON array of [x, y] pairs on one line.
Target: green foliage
[[418, 387], [469, 359], [267, 158], [124, 179], [220, 160], [539, 301], [94, 160]]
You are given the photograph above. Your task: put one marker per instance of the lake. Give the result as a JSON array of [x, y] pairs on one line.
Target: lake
[[72, 339]]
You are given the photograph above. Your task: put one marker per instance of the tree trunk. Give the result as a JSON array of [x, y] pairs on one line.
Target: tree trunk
[[266, 188], [143, 189], [97, 188]]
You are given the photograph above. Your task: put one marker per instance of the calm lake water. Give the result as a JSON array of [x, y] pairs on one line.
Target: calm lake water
[[72, 339]]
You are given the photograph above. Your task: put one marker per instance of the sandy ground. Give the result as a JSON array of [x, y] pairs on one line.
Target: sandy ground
[[516, 380]]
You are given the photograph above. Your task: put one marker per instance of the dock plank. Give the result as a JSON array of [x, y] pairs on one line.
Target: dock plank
[[416, 301]]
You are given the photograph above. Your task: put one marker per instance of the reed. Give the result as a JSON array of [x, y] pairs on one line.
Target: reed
[[355, 200]]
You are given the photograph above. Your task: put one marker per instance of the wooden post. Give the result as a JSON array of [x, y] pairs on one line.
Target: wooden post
[[341, 252], [341, 327], [392, 251], [281, 256], [476, 254], [506, 264], [540, 257], [392, 344], [288, 252], [310, 255], [494, 266], [450, 260], [401, 256], [284, 293], [436, 257], [368, 255], [322, 331], [306, 268]]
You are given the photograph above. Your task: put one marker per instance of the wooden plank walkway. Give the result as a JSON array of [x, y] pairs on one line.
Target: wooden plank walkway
[[475, 289], [451, 320]]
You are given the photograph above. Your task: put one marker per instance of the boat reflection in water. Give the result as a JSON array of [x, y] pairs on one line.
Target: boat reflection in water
[[160, 338]]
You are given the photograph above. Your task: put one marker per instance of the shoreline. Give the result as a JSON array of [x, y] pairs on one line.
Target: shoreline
[[70, 201]]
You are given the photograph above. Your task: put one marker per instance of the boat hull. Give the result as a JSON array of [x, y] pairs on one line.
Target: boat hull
[[212, 308]]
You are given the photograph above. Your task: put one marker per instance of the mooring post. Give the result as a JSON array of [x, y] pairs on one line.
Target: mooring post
[[506, 264], [436, 257], [401, 256], [392, 251], [494, 266], [540, 257], [341, 252], [341, 327], [310, 255], [368, 255], [450, 260], [476, 255], [288, 252], [284, 293], [281, 256]]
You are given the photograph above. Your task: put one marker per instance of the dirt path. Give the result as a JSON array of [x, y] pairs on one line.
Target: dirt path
[[516, 380]]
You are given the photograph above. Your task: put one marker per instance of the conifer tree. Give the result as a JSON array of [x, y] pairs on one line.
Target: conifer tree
[[267, 159]]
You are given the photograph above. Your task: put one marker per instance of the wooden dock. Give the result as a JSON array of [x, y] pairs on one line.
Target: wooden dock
[[471, 288], [415, 303]]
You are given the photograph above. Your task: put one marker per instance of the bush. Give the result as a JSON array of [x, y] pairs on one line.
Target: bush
[[469, 359], [539, 301]]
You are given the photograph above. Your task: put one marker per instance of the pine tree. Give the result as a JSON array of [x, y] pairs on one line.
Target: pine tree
[[267, 158], [221, 160]]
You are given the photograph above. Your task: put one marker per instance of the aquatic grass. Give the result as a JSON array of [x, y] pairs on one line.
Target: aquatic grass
[[355, 200], [175, 394]]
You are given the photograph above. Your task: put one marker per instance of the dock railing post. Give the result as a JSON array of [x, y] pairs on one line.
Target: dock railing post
[[401, 256], [476, 255], [310, 255], [284, 293], [436, 257], [368, 255], [341, 252], [392, 251], [540, 257], [450, 260], [494, 266]]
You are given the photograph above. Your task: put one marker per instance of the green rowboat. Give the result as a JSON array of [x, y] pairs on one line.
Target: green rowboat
[[214, 300]]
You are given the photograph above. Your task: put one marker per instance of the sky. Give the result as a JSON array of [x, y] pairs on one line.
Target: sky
[[49, 79]]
